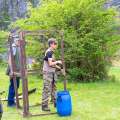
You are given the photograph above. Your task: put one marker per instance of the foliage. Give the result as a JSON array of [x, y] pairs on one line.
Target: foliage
[[88, 29], [3, 41], [3, 45]]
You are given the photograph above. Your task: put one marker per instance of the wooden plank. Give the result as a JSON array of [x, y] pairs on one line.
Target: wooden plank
[[5, 99], [63, 61], [20, 95], [39, 114], [43, 114], [24, 75]]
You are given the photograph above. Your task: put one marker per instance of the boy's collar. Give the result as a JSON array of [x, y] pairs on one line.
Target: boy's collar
[[51, 49]]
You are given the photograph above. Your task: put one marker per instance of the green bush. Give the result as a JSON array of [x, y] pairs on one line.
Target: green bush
[[3, 41], [88, 29]]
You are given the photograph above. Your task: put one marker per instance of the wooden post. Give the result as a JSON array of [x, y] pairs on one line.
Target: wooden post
[[44, 43], [13, 68], [24, 76], [63, 61]]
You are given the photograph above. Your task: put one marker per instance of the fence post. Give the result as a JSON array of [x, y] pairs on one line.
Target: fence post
[[24, 75]]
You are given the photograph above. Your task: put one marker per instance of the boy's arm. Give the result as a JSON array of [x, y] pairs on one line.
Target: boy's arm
[[9, 59], [53, 64], [61, 69]]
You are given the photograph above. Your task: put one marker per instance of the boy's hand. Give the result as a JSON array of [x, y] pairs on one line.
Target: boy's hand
[[59, 62], [63, 72], [11, 74]]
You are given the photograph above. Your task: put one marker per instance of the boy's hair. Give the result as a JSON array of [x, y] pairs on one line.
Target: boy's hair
[[51, 41]]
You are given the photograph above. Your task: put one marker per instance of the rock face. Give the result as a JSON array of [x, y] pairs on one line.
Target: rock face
[[11, 10], [35, 3], [17, 9], [111, 3], [14, 9]]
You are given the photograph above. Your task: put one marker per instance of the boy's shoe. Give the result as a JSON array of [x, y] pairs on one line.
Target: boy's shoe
[[55, 104], [11, 105], [45, 108]]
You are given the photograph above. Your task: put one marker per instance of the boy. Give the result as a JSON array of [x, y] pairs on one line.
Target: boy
[[49, 74], [15, 49]]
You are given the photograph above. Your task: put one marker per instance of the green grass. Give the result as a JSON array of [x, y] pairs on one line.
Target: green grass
[[91, 101], [115, 72]]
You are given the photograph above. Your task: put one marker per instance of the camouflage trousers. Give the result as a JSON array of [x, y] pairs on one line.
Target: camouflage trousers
[[49, 88]]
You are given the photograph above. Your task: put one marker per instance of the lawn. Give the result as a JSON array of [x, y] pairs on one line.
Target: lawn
[[91, 101]]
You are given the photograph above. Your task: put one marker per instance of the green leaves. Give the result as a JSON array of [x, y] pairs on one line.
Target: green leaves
[[3, 41]]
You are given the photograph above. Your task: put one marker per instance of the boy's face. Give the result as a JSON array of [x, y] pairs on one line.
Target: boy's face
[[54, 45], [17, 42]]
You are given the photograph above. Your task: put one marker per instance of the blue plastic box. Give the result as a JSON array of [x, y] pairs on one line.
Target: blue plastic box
[[63, 103]]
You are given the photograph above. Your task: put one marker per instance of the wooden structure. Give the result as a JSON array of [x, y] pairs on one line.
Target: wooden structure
[[23, 68]]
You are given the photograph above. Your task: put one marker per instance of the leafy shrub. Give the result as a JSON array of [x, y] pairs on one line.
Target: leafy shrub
[[88, 29]]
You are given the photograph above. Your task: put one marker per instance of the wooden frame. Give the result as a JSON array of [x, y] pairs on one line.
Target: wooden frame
[[23, 68]]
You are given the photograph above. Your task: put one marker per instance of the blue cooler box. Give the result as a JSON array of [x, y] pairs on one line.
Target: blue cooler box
[[63, 103]]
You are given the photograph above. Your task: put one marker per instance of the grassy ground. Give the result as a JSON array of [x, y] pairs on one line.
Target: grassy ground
[[91, 101]]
